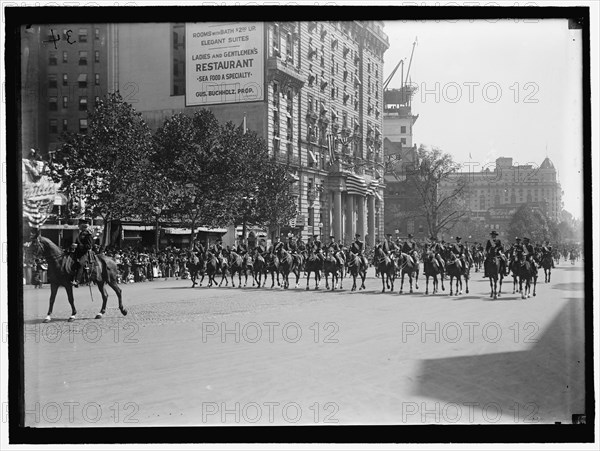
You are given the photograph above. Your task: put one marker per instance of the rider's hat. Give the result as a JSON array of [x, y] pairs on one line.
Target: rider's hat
[[331, 236], [526, 238], [410, 235], [518, 239], [316, 235], [493, 232], [458, 238], [357, 235], [433, 238]]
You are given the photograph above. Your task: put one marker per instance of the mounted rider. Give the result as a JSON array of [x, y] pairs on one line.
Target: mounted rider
[[409, 247], [389, 247], [437, 250], [83, 252], [317, 247], [334, 247], [493, 248], [242, 248], [358, 249], [458, 250], [547, 250], [528, 251], [217, 250], [291, 245], [260, 248]]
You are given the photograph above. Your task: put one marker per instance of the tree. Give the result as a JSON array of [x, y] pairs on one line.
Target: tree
[[258, 188], [534, 224], [441, 208], [101, 168]]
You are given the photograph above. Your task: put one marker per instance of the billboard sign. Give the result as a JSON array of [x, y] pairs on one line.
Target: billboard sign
[[224, 62]]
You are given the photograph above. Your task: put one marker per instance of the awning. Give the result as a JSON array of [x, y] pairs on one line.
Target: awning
[[182, 231], [58, 227], [82, 77], [60, 199], [294, 177], [137, 227]]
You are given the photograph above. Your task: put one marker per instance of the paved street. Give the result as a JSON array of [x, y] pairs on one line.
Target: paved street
[[198, 356]]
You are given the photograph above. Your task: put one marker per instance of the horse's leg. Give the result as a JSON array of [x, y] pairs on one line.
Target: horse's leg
[[426, 284], [117, 290], [451, 280], [534, 284], [383, 280], [53, 291], [69, 289], [401, 282], [104, 295], [307, 273]]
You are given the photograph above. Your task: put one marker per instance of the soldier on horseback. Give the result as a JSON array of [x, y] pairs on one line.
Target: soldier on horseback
[[300, 245], [217, 250], [458, 250], [291, 245], [334, 248], [317, 247], [494, 248], [409, 247], [389, 247], [242, 248], [528, 251], [358, 248], [547, 250], [437, 250], [83, 253]]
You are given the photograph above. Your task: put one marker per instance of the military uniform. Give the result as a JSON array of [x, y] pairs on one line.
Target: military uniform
[[358, 247], [493, 248], [389, 246]]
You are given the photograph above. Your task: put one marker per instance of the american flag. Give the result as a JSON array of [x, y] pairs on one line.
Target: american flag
[[330, 147], [38, 200]]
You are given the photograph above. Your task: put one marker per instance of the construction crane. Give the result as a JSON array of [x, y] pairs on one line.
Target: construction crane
[[400, 63]]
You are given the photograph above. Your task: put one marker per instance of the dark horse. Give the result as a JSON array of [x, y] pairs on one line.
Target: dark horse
[[60, 273], [495, 270], [212, 267], [259, 269], [195, 266], [410, 268], [546, 263], [236, 264], [288, 263], [386, 267], [455, 268], [526, 271], [330, 266], [272, 265], [248, 266], [313, 264], [357, 266], [431, 268]]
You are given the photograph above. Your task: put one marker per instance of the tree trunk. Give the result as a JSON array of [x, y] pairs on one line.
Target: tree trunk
[[192, 234], [244, 231], [157, 233]]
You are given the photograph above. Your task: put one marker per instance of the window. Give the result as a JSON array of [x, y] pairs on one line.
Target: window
[[82, 103], [52, 103], [97, 34], [97, 79], [403, 140], [276, 41], [403, 129], [83, 58], [290, 48], [97, 56], [65, 80], [311, 216], [65, 102], [83, 33], [53, 126], [82, 80], [65, 57], [83, 125], [65, 125], [52, 81], [52, 59], [176, 68], [177, 59]]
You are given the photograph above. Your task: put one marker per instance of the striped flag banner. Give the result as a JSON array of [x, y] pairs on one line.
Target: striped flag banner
[[38, 200], [330, 147], [373, 187], [356, 185]]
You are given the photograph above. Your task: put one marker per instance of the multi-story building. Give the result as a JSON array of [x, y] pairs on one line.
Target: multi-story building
[[312, 90], [493, 195], [65, 73], [402, 214]]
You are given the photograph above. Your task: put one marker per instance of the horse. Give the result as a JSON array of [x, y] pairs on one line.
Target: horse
[[357, 266], [330, 266], [386, 267], [260, 269], [194, 266], [313, 264], [248, 265], [61, 271], [546, 263], [513, 267], [495, 271], [235, 264], [272, 266], [212, 267], [431, 268], [526, 271], [454, 269], [478, 260], [409, 267], [287, 264], [341, 266]]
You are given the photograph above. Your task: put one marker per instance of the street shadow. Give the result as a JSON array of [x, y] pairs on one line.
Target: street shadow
[[570, 286], [507, 378]]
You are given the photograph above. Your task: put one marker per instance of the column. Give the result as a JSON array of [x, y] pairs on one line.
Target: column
[[371, 215], [337, 214], [349, 219], [360, 227]]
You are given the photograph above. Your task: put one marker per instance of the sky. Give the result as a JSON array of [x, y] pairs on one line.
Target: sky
[[488, 90]]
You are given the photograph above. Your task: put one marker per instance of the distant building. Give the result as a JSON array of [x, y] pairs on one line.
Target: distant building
[[295, 83], [401, 198], [493, 195]]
